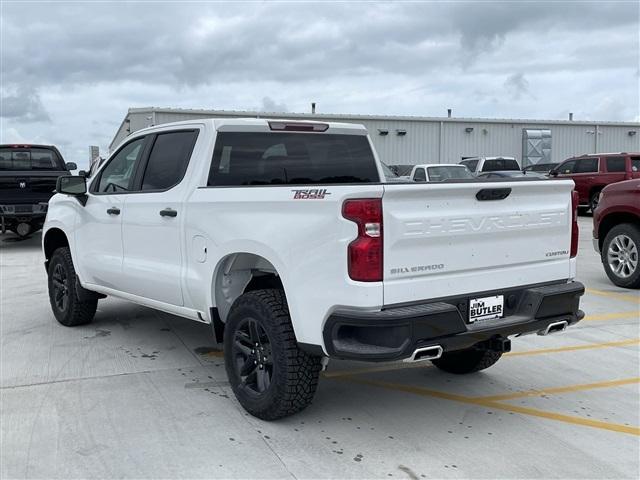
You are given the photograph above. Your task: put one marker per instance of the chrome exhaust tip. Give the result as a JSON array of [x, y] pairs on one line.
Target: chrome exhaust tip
[[425, 353], [555, 327]]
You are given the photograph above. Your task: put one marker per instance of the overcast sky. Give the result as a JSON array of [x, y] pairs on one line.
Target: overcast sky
[[70, 70]]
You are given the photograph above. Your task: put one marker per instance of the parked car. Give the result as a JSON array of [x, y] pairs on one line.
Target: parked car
[[28, 176], [479, 165], [511, 174], [540, 167], [616, 232], [439, 172], [287, 242], [591, 173]]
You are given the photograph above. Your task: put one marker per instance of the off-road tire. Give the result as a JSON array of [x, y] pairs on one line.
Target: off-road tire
[[633, 232], [467, 361], [73, 312], [294, 374]]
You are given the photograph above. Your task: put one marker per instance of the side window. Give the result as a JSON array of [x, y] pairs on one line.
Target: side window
[[567, 167], [587, 165], [615, 164], [420, 176], [118, 174], [635, 164], [168, 160]]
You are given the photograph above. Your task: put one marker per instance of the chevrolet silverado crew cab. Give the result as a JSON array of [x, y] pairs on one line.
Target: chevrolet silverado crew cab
[[284, 237], [28, 175]]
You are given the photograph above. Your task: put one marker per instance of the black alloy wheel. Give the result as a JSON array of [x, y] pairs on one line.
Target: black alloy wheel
[[60, 282], [252, 355]]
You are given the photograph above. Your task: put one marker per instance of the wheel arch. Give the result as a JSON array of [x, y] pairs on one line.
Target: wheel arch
[[240, 272], [613, 219], [54, 238]]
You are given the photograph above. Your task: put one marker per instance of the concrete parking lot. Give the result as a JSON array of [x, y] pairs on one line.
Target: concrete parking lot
[[143, 394]]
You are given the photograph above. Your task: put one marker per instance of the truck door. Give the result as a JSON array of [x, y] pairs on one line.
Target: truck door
[[153, 218], [98, 236]]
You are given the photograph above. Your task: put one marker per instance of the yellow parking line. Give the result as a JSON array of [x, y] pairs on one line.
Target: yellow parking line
[[614, 427], [612, 316], [569, 388], [588, 346], [622, 296], [401, 366]]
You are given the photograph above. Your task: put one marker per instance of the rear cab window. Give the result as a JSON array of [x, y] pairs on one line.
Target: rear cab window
[[500, 164], [253, 159], [30, 158], [635, 164]]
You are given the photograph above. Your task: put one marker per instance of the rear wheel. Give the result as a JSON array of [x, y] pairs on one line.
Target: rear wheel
[[467, 361], [270, 376], [620, 255], [66, 306]]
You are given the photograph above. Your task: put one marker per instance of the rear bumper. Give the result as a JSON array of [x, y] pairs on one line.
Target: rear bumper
[[397, 331]]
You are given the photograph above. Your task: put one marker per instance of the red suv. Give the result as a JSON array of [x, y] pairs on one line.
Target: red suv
[[591, 173], [616, 232]]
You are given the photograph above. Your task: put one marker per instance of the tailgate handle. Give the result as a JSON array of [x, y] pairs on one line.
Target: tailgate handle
[[493, 194]]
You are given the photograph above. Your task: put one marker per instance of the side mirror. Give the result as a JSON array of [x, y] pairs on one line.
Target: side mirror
[[553, 173], [73, 186], [71, 166]]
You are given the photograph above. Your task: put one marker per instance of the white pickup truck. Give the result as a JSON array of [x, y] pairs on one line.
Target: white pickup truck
[[282, 236]]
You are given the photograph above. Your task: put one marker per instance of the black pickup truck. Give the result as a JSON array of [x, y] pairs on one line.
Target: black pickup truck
[[28, 175]]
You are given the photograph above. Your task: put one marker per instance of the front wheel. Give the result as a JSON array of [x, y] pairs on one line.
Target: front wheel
[[620, 255], [467, 361], [66, 306], [270, 376]]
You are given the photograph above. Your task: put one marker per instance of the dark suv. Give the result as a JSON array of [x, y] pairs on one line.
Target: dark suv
[[28, 175], [591, 173]]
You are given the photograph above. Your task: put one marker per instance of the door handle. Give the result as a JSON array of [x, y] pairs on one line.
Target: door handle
[[168, 212], [113, 211]]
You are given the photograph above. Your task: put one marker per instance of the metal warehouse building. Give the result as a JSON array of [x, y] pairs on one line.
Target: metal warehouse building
[[412, 140]]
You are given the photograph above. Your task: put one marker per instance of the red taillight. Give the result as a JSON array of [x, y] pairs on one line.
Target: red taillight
[[574, 223], [365, 252], [298, 126]]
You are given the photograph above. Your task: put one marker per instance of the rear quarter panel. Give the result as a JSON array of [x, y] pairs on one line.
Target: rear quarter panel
[[304, 239]]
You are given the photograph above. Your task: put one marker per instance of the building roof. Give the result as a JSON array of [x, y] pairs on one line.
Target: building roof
[[358, 117], [408, 118]]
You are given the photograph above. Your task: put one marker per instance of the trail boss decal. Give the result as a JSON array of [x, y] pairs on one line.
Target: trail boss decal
[[486, 308], [310, 194]]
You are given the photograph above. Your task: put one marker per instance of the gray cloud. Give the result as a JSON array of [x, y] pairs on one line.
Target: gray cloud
[[269, 105], [84, 64], [23, 105], [517, 85]]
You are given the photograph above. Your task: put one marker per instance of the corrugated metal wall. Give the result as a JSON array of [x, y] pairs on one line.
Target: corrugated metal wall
[[446, 141]]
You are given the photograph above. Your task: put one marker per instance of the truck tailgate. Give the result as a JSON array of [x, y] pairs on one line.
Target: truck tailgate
[[441, 240]]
